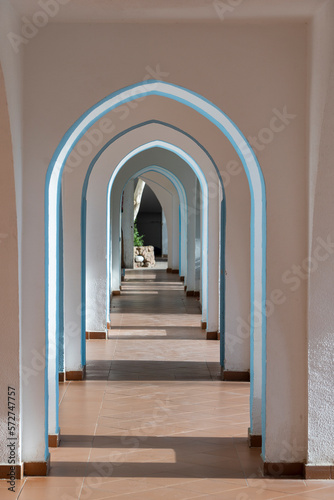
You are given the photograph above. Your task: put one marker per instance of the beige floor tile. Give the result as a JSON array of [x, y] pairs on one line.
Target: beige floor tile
[[50, 493], [152, 420]]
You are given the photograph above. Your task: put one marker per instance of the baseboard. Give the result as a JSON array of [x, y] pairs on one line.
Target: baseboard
[[175, 271], [108, 325], [185, 288], [76, 374], [54, 440], [11, 472], [235, 376], [283, 469], [116, 292], [203, 325], [196, 293], [254, 440], [169, 270], [305, 471], [61, 377], [181, 278], [211, 335], [318, 471], [96, 335], [36, 468], [190, 293]]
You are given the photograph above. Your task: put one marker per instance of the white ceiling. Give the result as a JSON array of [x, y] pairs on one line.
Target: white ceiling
[[172, 10]]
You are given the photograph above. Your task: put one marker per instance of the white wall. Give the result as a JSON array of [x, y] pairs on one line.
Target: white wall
[[246, 78], [9, 295], [127, 223], [320, 314]]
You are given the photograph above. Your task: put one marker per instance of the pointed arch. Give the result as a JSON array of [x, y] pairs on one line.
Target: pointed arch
[[258, 219]]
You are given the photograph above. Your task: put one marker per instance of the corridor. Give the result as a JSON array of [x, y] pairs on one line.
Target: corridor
[[152, 420]]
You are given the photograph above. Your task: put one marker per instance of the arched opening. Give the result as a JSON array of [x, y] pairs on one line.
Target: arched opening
[[258, 219], [150, 129], [149, 221]]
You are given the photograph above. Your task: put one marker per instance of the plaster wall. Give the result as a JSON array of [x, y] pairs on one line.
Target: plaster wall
[[321, 315], [127, 224], [249, 71], [11, 63], [321, 53], [164, 234], [198, 243], [11, 170], [9, 294]]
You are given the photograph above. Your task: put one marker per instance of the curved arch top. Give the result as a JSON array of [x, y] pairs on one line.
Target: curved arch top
[[176, 148], [258, 216], [204, 186]]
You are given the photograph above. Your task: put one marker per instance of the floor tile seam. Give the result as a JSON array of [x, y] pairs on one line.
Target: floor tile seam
[[63, 395], [21, 488], [289, 495], [96, 427], [186, 481]]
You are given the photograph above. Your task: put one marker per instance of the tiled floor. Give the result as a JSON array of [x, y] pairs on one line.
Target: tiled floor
[[152, 420]]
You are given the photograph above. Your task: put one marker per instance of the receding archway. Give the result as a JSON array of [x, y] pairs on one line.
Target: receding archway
[[203, 182], [175, 138], [258, 220], [182, 203]]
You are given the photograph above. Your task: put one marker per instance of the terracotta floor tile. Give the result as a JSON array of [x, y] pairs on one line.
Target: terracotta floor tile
[[50, 493], [326, 493], [152, 420]]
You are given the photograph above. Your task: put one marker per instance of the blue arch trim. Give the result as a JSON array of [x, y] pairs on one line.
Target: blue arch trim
[[196, 102]]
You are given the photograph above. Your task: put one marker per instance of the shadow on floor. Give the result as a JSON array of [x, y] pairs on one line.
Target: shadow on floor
[[152, 370], [160, 332], [193, 457]]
